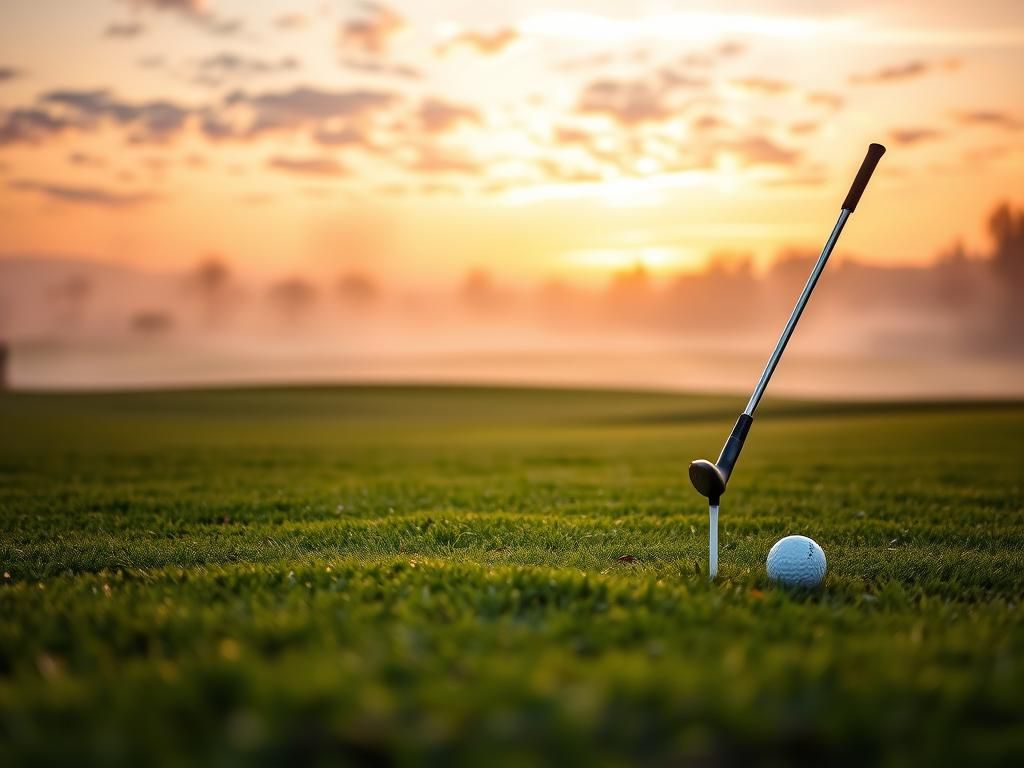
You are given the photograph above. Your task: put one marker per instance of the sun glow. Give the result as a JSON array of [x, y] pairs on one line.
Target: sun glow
[[657, 258], [696, 26]]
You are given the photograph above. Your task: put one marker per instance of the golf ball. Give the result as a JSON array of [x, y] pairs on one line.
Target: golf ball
[[796, 561]]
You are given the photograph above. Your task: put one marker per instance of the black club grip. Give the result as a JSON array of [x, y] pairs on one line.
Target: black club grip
[[875, 152]]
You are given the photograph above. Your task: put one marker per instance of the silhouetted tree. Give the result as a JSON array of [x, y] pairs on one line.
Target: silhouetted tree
[[955, 286], [293, 297], [152, 322], [630, 295], [211, 280], [479, 292], [723, 297], [1007, 229], [5, 357], [357, 289], [71, 296]]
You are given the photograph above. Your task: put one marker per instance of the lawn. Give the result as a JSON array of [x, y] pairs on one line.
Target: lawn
[[389, 575]]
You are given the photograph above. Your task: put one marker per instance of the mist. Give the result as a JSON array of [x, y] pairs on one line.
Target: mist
[[951, 328]]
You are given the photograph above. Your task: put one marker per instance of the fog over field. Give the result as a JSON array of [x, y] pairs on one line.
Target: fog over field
[[949, 328]]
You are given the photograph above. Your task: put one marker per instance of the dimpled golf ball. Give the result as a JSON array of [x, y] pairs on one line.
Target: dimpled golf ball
[[796, 561]]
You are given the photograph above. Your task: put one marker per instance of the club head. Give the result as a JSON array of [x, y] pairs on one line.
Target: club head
[[708, 479]]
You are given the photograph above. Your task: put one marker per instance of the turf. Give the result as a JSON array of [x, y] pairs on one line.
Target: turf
[[449, 576]]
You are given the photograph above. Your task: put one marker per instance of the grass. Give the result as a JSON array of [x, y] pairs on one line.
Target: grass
[[432, 575]]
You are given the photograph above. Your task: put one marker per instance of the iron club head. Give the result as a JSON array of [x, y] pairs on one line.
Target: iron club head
[[708, 479]]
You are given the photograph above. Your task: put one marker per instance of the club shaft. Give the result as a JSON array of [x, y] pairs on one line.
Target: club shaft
[[794, 318]]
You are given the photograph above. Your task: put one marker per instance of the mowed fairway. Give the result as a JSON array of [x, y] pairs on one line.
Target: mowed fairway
[[407, 575]]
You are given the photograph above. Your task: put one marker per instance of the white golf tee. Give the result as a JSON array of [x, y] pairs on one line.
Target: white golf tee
[[713, 543]]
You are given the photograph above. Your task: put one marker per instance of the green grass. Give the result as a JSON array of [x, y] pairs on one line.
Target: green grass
[[431, 575]]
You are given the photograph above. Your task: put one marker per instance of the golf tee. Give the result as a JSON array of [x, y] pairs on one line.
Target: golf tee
[[713, 543]]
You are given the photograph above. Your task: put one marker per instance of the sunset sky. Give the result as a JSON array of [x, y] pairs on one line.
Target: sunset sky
[[535, 139]]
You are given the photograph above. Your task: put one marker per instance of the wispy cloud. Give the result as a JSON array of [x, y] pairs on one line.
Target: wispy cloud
[[8, 73], [125, 30], [989, 117], [908, 70], [372, 31], [438, 116], [628, 102], [433, 159], [215, 69], [761, 150], [197, 7], [30, 126], [827, 99], [305, 107], [307, 166], [196, 11], [484, 43], [385, 68], [293, 20], [908, 136], [150, 121], [684, 25], [93, 196], [86, 160], [804, 127], [761, 85]]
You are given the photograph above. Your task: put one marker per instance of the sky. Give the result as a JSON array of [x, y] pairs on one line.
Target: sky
[[537, 140]]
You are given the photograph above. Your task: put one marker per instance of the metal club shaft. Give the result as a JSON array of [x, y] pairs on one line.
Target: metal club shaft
[[794, 318], [710, 479]]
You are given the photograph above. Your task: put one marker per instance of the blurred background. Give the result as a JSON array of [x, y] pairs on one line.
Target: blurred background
[[600, 193]]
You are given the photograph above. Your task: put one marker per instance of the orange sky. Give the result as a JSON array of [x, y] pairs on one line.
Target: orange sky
[[537, 139]]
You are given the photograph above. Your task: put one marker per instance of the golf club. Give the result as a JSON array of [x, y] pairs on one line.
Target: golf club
[[710, 479]]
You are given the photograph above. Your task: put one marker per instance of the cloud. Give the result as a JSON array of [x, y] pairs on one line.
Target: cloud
[[569, 136], [760, 150], [432, 159], [86, 160], [555, 171], [827, 99], [372, 32], [196, 7], [675, 78], [593, 61], [196, 11], [628, 102], [761, 85], [804, 127], [307, 166], [908, 136], [152, 121], [291, 21], [30, 126], [985, 155], [437, 116], [484, 43], [989, 117], [376, 67], [224, 27], [8, 73], [906, 71], [124, 30], [342, 137], [213, 69], [709, 123], [96, 196], [306, 107]]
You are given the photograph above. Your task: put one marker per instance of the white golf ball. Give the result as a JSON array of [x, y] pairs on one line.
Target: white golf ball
[[796, 561]]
